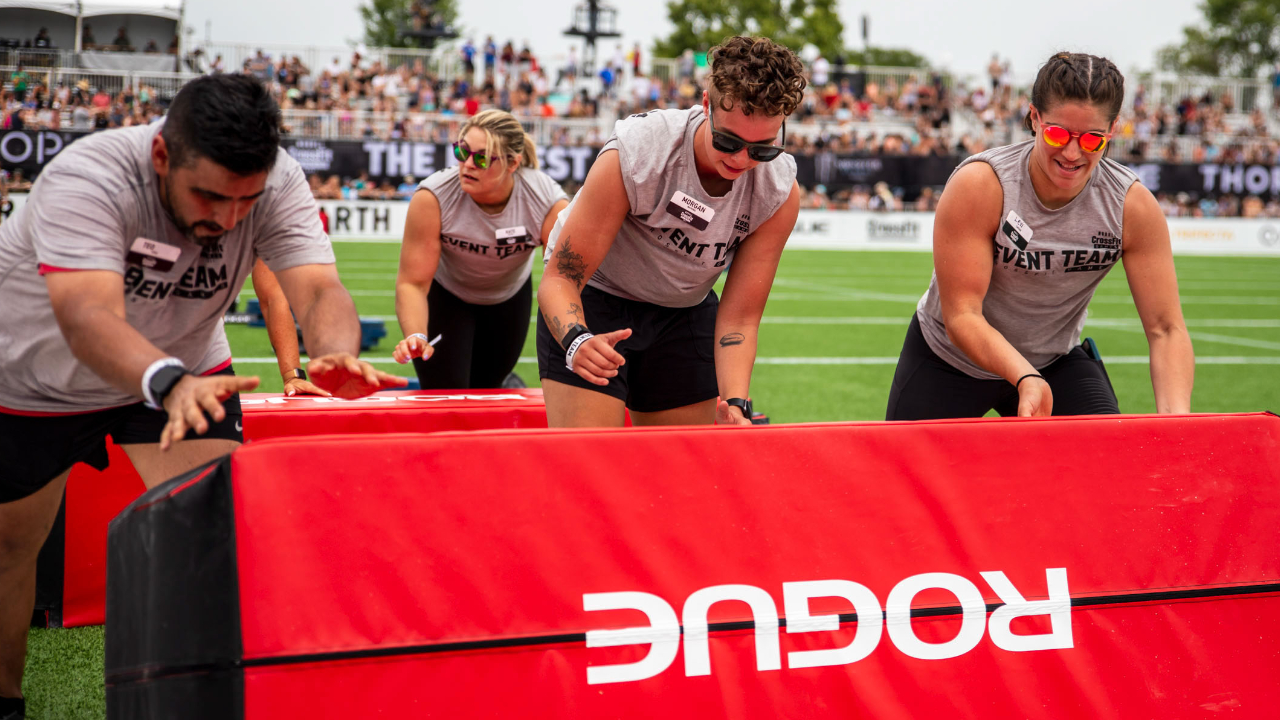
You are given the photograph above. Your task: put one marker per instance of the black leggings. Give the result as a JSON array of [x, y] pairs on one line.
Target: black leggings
[[481, 343], [926, 387]]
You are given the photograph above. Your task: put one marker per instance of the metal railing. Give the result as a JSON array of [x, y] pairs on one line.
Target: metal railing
[[1168, 89], [444, 61], [36, 58], [112, 81]]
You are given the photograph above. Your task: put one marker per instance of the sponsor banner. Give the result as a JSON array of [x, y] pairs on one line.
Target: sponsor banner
[[391, 160], [841, 171], [855, 230], [964, 568], [29, 150], [1210, 178], [383, 221], [366, 219]]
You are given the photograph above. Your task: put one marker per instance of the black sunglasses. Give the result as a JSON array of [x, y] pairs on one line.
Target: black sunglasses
[[462, 151], [728, 143]]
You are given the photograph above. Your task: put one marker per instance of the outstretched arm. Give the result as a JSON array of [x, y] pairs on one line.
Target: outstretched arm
[[89, 307], [968, 216], [587, 235], [281, 330], [1148, 265], [419, 258], [331, 329], [746, 291]]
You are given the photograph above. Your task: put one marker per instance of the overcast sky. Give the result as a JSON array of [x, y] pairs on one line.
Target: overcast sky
[[958, 35]]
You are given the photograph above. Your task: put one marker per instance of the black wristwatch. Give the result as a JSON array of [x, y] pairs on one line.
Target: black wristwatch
[[575, 331], [163, 381], [298, 373], [743, 405]]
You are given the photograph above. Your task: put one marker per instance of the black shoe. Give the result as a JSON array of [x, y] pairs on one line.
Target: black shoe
[[513, 382], [13, 708]]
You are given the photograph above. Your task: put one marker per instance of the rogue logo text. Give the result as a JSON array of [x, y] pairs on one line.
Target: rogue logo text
[[663, 634]]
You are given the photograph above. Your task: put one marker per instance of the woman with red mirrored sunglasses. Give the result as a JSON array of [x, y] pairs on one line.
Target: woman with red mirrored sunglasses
[[1023, 235], [629, 318], [465, 290]]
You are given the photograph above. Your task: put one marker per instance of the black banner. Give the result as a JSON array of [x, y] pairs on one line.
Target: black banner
[[392, 160], [28, 151]]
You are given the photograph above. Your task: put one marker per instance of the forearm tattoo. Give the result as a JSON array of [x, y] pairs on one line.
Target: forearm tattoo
[[570, 263], [732, 339], [575, 312]]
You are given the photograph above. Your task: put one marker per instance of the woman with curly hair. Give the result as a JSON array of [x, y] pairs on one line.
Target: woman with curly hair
[[629, 318]]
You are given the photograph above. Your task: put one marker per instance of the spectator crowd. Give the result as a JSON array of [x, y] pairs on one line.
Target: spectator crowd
[[844, 111]]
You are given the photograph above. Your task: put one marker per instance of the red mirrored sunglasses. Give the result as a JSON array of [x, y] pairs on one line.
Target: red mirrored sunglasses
[[1057, 136]]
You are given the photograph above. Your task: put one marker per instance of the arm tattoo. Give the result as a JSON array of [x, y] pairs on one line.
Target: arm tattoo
[[732, 339], [575, 311], [570, 264], [556, 330]]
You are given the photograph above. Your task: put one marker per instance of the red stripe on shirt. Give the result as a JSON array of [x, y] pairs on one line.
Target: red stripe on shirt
[[219, 368], [45, 269]]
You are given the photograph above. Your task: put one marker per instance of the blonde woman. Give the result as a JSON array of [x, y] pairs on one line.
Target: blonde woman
[[466, 262]]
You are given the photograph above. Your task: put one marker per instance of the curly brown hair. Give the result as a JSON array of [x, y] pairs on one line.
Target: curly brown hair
[[757, 75]]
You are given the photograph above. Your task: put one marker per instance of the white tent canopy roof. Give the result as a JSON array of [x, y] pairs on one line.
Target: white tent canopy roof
[[171, 9]]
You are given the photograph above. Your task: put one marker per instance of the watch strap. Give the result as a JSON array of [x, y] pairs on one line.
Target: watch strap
[[741, 404]]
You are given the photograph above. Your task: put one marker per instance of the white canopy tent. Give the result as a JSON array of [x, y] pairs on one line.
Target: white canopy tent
[[154, 17]]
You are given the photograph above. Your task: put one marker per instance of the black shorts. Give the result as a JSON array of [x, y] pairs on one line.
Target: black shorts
[[670, 354], [34, 450], [926, 387], [481, 343]]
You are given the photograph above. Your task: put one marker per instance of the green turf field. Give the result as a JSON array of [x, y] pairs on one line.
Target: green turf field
[[831, 334]]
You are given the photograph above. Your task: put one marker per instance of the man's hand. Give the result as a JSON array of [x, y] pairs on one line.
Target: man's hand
[[298, 386], [346, 376], [194, 396], [727, 414], [596, 360], [1035, 399], [412, 347]]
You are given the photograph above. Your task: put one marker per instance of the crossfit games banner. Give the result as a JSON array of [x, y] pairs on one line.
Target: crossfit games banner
[[392, 160], [974, 568]]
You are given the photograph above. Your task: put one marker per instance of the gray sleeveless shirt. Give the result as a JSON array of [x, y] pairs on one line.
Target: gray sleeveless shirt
[[485, 259], [1047, 262], [677, 239]]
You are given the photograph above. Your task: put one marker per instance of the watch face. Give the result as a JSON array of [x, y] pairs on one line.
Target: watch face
[[163, 381]]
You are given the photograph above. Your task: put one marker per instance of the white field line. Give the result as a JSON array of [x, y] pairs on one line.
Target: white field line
[[1237, 286], [1123, 323], [846, 293], [1115, 360], [366, 276], [1208, 337]]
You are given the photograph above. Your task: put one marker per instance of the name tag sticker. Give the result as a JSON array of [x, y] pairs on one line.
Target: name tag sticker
[[690, 211], [511, 236], [153, 255], [1017, 229]]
